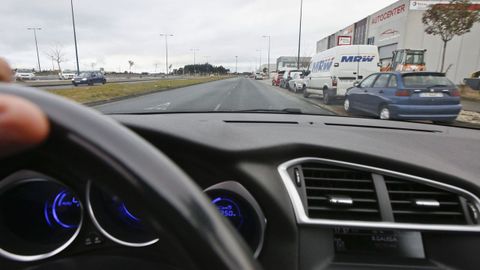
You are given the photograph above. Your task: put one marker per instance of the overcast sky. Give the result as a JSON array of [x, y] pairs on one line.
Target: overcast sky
[[111, 32]]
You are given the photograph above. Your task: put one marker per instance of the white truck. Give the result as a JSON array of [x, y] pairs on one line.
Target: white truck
[[332, 72]]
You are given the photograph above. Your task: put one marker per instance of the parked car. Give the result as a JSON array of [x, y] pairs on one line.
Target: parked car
[[406, 96], [333, 71], [67, 75], [89, 78], [287, 77], [277, 78], [258, 76], [24, 74], [297, 83]]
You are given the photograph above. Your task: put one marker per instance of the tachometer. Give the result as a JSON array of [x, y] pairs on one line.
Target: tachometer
[[116, 220]]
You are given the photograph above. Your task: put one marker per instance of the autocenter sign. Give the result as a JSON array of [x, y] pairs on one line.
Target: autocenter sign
[[388, 14]]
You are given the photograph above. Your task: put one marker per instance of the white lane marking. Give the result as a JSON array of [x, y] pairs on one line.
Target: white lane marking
[[218, 107], [159, 107]]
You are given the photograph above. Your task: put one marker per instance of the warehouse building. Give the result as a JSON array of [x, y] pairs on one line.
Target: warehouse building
[[399, 26], [284, 62]]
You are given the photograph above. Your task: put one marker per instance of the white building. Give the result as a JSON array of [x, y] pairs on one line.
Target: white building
[[399, 26]]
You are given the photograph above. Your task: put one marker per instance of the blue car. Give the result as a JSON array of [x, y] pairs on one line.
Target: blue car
[[405, 96], [89, 78]]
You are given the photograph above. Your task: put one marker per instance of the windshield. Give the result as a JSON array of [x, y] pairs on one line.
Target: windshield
[[343, 58], [426, 80], [415, 58], [85, 75]]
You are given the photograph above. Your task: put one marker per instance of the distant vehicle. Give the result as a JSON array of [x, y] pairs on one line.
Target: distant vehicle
[[24, 74], [297, 83], [67, 75], [406, 60], [277, 78], [89, 78], [333, 71], [287, 77], [406, 96], [258, 76]]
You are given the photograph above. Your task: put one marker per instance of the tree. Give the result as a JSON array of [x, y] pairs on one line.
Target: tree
[[130, 64], [57, 55], [450, 20]]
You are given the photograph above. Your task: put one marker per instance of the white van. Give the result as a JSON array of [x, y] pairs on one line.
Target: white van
[[333, 71]]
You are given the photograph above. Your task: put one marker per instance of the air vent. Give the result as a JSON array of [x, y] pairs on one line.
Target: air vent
[[340, 193], [419, 203]]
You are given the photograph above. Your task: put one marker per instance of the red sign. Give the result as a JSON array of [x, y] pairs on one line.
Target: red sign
[[388, 14]]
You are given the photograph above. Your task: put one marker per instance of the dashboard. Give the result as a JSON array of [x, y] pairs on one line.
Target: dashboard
[[304, 192]]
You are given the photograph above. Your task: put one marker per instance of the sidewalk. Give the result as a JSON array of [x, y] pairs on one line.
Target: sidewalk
[[470, 105]]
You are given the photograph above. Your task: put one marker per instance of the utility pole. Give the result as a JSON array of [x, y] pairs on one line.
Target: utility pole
[[194, 60], [206, 59], [260, 60], [300, 34], [236, 64], [166, 51], [75, 38], [36, 44], [269, 37]]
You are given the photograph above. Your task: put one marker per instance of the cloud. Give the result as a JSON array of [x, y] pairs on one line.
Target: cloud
[[112, 32]]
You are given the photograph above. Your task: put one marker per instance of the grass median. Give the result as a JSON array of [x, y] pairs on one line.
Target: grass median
[[114, 91]]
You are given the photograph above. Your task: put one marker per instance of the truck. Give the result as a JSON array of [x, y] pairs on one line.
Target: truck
[[406, 60], [332, 72]]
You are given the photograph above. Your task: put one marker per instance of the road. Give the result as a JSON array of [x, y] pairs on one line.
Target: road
[[235, 94]]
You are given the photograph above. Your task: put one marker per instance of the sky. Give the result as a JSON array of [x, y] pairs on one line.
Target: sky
[[112, 32]]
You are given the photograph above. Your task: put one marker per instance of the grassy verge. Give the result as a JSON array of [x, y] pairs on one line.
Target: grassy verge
[[114, 91]]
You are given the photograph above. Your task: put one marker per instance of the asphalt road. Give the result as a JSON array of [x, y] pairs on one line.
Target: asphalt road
[[235, 94]]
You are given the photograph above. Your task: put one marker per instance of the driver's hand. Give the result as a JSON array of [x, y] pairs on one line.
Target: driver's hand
[[22, 123]]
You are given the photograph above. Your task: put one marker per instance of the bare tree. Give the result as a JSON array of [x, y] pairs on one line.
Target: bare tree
[[450, 20], [130, 64], [57, 55]]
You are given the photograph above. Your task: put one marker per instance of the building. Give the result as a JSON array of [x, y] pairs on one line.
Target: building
[[273, 67], [284, 62], [399, 26]]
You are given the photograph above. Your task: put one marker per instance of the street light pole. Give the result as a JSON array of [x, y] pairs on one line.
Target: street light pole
[[166, 51], [236, 64], [194, 60], [75, 38], [300, 34], [268, 67], [260, 61], [36, 44], [206, 64]]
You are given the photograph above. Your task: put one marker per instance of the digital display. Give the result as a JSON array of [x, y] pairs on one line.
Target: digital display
[[378, 242], [229, 209]]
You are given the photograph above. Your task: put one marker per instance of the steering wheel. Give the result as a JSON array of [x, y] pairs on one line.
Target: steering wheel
[[149, 176]]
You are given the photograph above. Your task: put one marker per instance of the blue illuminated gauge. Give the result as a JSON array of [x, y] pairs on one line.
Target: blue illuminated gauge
[[62, 210], [235, 203], [39, 217], [229, 209], [124, 210]]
